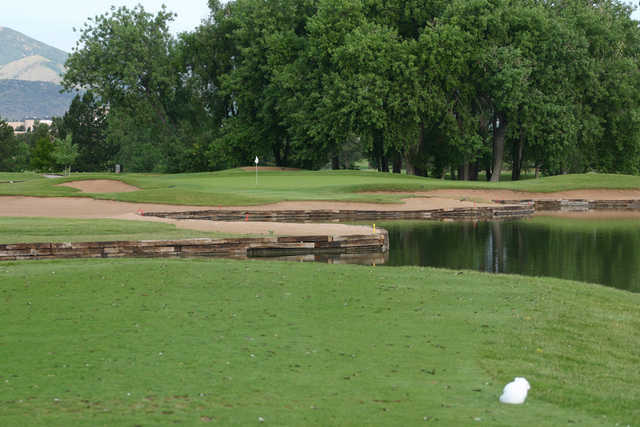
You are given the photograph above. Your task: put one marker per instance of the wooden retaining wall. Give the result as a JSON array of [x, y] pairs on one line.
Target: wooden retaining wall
[[576, 205], [234, 248], [304, 216]]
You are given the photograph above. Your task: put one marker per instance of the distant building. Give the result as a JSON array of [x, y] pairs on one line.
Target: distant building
[[27, 125], [18, 127]]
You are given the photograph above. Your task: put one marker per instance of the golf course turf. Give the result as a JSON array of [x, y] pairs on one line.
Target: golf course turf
[[238, 187], [221, 342], [150, 342]]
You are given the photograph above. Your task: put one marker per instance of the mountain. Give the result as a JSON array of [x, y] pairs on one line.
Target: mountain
[[20, 99], [29, 78], [23, 58]]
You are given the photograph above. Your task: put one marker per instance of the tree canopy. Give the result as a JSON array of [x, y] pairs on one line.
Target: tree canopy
[[431, 86]]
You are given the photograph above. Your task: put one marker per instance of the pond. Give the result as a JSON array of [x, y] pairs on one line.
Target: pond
[[604, 251]]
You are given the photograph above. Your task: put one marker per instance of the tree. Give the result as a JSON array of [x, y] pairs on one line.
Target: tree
[[65, 153], [41, 158], [436, 85], [125, 57], [314, 114], [267, 37], [86, 122], [378, 72], [8, 148]]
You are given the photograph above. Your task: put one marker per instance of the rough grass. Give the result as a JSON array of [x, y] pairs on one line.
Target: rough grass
[[192, 342], [238, 187], [32, 230]]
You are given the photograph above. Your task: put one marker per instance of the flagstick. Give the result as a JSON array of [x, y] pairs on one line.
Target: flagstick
[[256, 162]]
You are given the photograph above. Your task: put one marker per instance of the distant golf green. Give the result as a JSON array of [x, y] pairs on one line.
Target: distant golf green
[[238, 187]]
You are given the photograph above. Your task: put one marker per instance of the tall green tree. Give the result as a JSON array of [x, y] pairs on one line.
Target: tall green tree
[[125, 57], [459, 85], [202, 58], [268, 36], [65, 153], [315, 117], [41, 156], [8, 148], [86, 121], [14, 151]]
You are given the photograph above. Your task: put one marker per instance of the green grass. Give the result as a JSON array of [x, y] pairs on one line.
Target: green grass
[[586, 224], [237, 187], [158, 342], [32, 230], [17, 176]]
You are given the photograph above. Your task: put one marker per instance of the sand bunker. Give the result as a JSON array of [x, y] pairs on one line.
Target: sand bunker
[[101, 186], [85, 208], [80, 207]]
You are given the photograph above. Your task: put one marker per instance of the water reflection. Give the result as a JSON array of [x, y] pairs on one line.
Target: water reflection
[[606, 252], [366, 258]]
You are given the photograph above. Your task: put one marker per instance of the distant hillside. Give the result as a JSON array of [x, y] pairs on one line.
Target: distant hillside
[[21, 99], [23, 58], [29, 76]]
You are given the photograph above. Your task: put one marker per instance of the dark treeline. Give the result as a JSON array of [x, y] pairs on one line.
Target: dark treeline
[[431, 86]]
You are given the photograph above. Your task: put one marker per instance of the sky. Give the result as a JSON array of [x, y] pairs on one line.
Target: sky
[[52, 22]]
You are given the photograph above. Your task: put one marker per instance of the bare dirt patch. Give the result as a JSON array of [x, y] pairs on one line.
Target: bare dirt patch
[[74, 207], [101, 186], [85, 208]]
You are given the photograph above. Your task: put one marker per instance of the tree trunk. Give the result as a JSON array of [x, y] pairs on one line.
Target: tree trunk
[[409, 166], [276, 154], [385, 164], [499, 132], [518, 148], [473, 173], [464, 172], [378, 150], [285, 155], [335, 162], [418, 169], [397, 162]]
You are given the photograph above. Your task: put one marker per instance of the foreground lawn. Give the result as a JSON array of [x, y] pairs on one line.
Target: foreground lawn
[[196, 341], [36, 230], [238, 187]]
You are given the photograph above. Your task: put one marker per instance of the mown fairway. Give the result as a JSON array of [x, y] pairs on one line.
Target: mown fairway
[[192, 342], [35, 230], [238, 187]]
